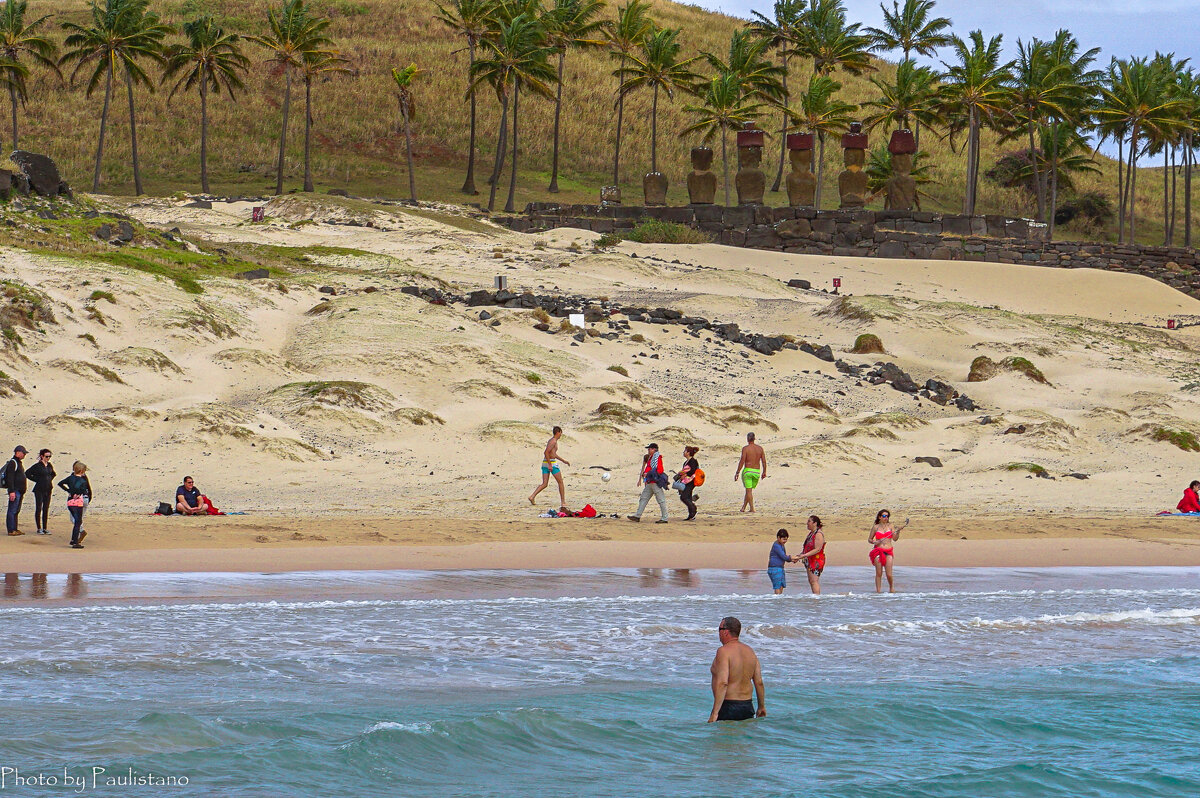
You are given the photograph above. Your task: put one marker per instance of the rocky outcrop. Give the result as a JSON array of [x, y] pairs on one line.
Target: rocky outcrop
[[38, 174]]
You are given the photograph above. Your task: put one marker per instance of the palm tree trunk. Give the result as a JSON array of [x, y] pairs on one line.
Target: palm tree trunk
[[1053, 178], [1174, 197], [620, 119], [1132, 193], [137, 173], [725, 162], [12, 95], [204, 136], [468, 186], [501, 151], [308, 181], [562, 55], [287, 106], [1187, 192], [103, 125], [1121, 189], [820, 169], [972, 145], [783, 125], [1166, 196], [654, 132], [509, 207], [412, 180], [1037, 176]]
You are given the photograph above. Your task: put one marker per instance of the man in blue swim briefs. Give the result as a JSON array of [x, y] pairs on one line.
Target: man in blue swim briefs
[[734, 669], [550, 461]]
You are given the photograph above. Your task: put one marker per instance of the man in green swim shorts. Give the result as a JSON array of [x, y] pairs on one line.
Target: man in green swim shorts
[[751, 468]]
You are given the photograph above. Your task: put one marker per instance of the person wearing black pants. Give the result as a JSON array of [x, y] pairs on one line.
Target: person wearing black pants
[[685, 476], [79, 495], [15, 483], [41, 474]]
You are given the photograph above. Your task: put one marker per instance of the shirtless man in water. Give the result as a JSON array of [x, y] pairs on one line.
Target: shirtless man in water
[[550, 461], [733, 670], [751, 469]]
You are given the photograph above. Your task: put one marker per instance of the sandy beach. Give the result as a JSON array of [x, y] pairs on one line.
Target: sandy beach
[[360, 426], [273, 544]]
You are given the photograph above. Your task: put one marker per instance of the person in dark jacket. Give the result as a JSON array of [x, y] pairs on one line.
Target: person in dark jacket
[[15, 483], [41, 474], [79, 496], [684, 480]]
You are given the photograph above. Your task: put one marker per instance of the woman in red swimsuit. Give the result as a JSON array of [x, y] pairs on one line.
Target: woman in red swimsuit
[[813, 555], [882, 537]]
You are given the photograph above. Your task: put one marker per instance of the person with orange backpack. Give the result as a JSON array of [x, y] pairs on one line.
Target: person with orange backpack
[[689, 478]]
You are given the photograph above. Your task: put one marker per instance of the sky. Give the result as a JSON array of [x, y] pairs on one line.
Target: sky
[[1130, 27]]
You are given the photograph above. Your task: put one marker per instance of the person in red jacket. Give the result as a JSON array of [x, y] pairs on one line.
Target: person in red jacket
[[1190, 503]]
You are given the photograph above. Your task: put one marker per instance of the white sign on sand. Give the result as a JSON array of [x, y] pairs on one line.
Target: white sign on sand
[[576, 319]]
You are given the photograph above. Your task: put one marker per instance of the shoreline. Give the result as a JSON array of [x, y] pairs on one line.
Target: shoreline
[[246, 544]]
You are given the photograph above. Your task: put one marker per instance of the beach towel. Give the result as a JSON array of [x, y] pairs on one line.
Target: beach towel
[[588, 511], [1174, 514], [208, 506]]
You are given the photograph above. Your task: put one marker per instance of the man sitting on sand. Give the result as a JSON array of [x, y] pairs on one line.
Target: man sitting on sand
[[751, 468], [550, 461], [733, 670], [187, 499]]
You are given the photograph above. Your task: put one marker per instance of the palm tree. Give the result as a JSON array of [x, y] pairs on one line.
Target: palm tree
[[408, 109], [121, 33], [780, 31], [312, 66], [911, 96], [211, 60], [1042, 87], [1135, 103], [570, 24], [820, 112], [517, 56], [831, 42], [624, 36], [1065, 49], [910, 29], [16, 40], [471, 19], [294, 35], [759, 77], [975, 93], [658, 66], [724, 106]]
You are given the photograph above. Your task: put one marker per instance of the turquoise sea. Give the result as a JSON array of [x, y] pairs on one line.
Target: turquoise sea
[[972, 682]]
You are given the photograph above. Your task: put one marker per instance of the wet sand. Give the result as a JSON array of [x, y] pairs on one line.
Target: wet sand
[[273, 544]]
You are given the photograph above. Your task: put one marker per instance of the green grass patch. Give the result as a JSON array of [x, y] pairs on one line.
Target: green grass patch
[[1180, 438], [624, 372], [867, 343], [1032, 468], [107, 296], [533, 377]]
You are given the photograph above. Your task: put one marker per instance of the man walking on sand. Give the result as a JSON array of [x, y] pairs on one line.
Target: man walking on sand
[[653, 477], [751, 469], [16, 484], [550, 461], [733, 670]]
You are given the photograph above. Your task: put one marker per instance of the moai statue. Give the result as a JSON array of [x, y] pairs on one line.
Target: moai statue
[[654, 187], [701, 182], [751, 182], [801, 183], [852, 182], [902, 187]]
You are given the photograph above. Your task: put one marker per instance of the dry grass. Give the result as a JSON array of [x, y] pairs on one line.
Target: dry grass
[[364, 152]]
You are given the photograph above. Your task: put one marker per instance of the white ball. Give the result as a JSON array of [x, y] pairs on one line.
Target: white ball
[[606, 476]]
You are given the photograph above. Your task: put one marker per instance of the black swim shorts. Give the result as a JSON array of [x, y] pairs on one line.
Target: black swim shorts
[[736, 710]]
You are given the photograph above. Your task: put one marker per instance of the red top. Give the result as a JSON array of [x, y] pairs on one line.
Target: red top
[[1190, 503]]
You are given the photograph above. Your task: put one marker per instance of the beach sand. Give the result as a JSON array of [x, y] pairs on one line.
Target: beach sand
[[371, 428], [278, 544]]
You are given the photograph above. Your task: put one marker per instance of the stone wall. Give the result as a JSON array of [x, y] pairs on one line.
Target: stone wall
[[881, 234]]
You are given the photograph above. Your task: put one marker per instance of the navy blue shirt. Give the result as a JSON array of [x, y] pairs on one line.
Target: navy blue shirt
[[778, 556], [192, 497]]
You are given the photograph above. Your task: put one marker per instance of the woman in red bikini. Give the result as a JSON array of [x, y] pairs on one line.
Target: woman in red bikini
[[882, 537], [813, 555]]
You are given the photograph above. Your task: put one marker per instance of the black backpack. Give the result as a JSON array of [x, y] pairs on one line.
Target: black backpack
[[4, 473], [165, 509]]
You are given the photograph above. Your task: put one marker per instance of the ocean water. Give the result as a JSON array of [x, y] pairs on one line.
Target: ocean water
[[971, 682]]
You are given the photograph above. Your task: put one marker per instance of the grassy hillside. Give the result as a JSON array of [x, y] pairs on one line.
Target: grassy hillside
[[357, 145]]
